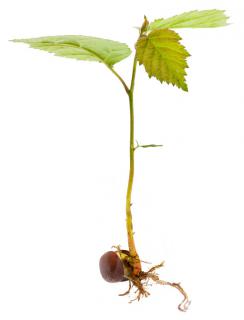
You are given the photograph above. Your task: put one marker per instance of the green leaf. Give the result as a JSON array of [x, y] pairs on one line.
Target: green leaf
[[150, 145], [163, 56], [147, 145], [193, 19], [82, 48]]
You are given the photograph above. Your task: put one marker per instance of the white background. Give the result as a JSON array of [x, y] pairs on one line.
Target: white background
[[64, 133]]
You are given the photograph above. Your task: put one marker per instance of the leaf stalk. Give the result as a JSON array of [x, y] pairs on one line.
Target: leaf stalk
[[120, 79]]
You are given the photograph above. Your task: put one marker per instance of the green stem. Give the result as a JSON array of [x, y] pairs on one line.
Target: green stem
[[135, 260], [136, 263], [129, 225]]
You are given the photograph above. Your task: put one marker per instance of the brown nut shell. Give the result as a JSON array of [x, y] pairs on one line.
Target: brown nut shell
[[111, 267]]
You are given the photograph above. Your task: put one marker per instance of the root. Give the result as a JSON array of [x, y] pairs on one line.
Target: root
[[126, 292], [142, 282]]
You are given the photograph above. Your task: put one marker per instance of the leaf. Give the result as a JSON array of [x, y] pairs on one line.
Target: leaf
[[82, 48], [193, 19], [163, 56], [149, 146]]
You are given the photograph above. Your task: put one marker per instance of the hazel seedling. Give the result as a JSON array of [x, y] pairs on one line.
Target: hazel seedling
[[158, 48]]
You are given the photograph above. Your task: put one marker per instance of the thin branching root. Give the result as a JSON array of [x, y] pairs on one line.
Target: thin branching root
[[143, 280]]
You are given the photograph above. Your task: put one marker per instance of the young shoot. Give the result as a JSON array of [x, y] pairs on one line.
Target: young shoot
[[159, 49]]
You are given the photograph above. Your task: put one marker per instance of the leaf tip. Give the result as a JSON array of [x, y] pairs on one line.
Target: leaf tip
[[17, 40], [184, 87]]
